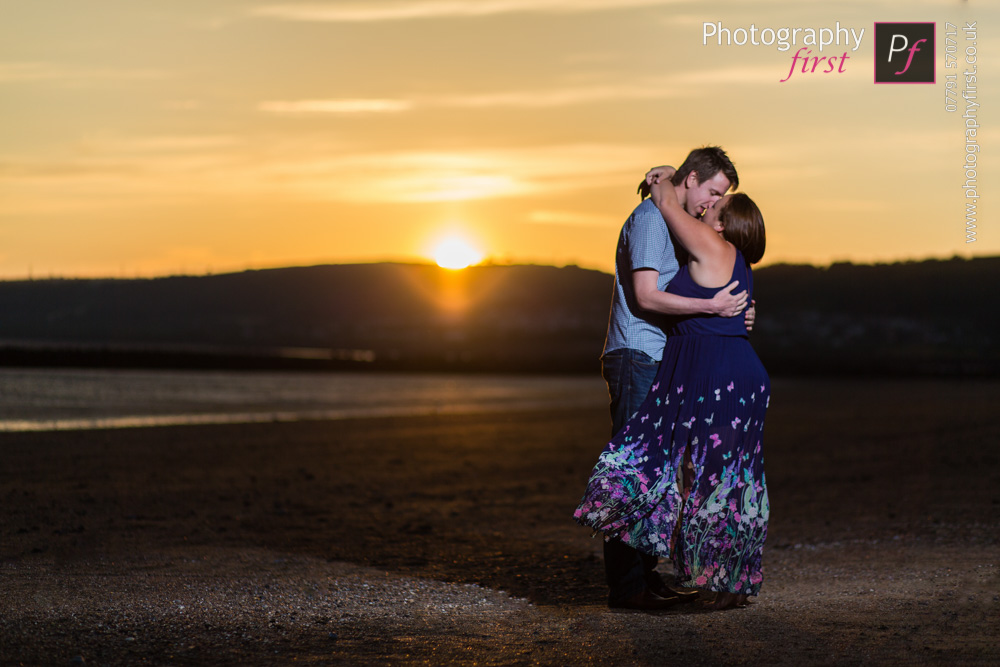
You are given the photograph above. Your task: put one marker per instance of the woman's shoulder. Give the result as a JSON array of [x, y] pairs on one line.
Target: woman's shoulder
[[718, 268]]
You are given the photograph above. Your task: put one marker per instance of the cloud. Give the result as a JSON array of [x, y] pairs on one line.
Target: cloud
[[562, 97], [182, 105], [106, 171], [22, 172], [571, 218], [403, 10], [676, 85], [408, 177], [113, 143], [111, 168], [28, 72], [344, 106], [849, 205], [39, 71], [736, 75], [660, 89]]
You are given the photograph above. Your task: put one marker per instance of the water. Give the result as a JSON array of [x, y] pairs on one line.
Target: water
[[49, 400]]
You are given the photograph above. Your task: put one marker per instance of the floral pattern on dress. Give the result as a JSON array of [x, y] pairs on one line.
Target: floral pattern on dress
[[634, 492]]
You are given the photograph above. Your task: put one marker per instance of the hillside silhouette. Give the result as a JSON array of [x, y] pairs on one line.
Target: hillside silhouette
[[916, 317]]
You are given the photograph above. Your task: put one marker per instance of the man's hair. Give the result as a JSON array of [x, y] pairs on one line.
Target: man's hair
[[706, 162], [743, 226]]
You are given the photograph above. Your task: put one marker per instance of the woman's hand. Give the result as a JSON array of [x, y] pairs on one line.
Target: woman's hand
[[657, 174], [654, 175], [663, 193], [751, 315]]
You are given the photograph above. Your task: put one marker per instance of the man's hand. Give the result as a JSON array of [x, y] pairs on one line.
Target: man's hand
[[727, 304], [751, 315]]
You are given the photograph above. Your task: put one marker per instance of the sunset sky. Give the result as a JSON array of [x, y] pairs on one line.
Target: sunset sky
[[152, 138]]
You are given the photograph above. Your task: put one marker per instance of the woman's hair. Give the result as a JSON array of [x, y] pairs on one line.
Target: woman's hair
[[743, 226]]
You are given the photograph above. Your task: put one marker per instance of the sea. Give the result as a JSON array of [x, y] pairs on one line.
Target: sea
[[72, 399]]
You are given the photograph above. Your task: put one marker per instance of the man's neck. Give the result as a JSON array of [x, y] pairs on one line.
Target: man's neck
[[681, 195]]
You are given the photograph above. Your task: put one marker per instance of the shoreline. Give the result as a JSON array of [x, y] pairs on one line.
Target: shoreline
[[449, 538]]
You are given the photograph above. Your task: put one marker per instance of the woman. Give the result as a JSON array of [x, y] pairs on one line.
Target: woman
[[685, 477]]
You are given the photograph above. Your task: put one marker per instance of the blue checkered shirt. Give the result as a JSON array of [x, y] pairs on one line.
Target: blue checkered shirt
[[644, 243]]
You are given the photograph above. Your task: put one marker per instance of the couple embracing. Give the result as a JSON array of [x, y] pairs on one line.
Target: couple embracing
[[683, 476]]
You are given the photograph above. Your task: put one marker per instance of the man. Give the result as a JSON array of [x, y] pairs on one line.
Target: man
[[644, 264]]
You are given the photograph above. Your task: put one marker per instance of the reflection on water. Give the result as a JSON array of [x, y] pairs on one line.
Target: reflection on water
[[43, 400]]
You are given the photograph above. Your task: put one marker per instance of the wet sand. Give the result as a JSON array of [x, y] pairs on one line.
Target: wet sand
[[437, 539]]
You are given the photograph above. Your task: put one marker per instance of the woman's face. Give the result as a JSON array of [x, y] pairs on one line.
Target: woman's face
[[711, 217]]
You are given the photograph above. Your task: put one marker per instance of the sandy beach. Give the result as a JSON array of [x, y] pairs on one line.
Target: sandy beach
[[449, 539]]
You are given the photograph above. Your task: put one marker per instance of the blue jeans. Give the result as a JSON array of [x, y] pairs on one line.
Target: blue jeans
[[629, 374]]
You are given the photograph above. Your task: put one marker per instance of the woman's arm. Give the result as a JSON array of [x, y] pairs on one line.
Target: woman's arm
[[700, 240], [652, 176]]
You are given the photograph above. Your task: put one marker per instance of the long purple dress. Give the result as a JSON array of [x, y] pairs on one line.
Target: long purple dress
[[708, 401]]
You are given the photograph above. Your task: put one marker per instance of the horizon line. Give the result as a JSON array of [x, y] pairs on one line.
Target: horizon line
[[488, 263]]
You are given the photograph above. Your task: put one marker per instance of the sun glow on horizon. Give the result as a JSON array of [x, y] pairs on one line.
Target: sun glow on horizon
[[221, 127], [455, 253]]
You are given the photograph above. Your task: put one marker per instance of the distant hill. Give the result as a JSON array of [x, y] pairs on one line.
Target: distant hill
[[925, 317], [928, 317]]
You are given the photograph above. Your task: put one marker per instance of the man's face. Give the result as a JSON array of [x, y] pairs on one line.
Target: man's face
[[701, 196], [711, 217]]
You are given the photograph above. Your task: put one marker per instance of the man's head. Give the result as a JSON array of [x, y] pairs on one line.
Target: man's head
[[705, 175]]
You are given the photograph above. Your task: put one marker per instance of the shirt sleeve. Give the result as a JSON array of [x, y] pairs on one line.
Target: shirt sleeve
[[647, 238]]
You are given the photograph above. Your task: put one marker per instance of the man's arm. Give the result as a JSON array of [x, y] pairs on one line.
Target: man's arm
[[651, 299]]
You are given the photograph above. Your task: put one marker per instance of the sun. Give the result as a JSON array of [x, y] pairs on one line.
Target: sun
[[454, 253]]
